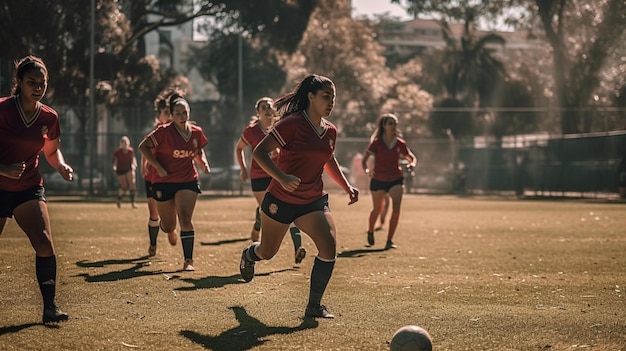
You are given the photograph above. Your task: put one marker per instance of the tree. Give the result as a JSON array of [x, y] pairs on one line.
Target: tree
[[581, 33]]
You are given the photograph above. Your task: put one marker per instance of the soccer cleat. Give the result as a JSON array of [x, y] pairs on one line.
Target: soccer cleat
[[152, 250], [246, 267], [172, 237], [370, 238], [319, 311], [390, 245], [188, 266], [300, 254], [52, 314]]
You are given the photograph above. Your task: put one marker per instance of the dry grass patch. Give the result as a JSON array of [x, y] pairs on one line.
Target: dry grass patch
[[478, 274]]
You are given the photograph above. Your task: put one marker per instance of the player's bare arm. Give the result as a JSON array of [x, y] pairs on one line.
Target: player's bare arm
[[54, 156], [262, 155]]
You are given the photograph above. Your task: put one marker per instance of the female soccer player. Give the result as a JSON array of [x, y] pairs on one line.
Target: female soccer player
[[175, 185], [147, 171], [386, 177], [124, 166], [28, 127], [295, 194], [252, 135]]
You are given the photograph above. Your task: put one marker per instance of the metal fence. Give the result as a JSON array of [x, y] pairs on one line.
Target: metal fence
[[531, 165]]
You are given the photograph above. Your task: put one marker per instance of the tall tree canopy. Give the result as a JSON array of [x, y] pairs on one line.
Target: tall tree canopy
[[581, 33]]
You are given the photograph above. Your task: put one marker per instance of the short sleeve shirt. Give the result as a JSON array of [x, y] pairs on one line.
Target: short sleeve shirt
[[303, 152], [124, 159], [386, 159], [252, 135], [176, 153], [23, 141]]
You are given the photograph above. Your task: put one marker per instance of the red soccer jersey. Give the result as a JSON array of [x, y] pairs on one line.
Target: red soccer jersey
[[386, 166], [176, 153], [252, 135], [22, 141], [124, 159], [304, 152]]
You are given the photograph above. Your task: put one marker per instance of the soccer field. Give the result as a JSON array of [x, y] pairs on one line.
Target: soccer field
[[477, 273]]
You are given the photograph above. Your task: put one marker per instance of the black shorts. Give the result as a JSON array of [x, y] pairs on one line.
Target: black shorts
[[376, 185], [120, 173], [9, 200], [166, 191], [286, 213], [260, 184], [149, 190]]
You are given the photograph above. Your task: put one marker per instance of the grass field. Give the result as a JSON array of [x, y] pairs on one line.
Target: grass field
[[478, 274]]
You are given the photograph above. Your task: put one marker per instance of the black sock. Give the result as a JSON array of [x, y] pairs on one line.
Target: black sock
[[46, 271], [187, 239], [320, 276], [153, 230], [132, 197], [251, 255], [296, 236], [257, 220]]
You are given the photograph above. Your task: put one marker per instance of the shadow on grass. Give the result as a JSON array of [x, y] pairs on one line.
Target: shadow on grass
[[250, 333], [16, 328], [219, 282], [223, 242], [359, 252], [128, 273]]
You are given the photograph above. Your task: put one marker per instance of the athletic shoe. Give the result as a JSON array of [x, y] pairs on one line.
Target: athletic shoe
[[319, 311], [370, 238], [188, 266], [246, 267], [52, 314], [172, 237], [300, 254], [390, 245], [152, 250]]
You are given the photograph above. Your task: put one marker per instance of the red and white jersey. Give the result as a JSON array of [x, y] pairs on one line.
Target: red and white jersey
[[252, 135], [386, 166], [303, 153], [124, 159], [22, 141], [176, 153]]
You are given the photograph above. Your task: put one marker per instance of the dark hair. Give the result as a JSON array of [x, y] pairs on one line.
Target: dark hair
[[380, 126], [176, 98], [24, 65], [298, 100]]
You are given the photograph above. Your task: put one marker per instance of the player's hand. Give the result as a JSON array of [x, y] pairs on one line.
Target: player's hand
[[290, 182], [13, 171], [66, 172], [243, 175], [354, 195]]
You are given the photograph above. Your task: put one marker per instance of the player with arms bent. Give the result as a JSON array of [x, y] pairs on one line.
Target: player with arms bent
[[296, 193], [26, 128]]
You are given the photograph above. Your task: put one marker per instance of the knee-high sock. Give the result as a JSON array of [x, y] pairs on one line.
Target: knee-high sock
[[257, 220], [132, 197], [251, 253], [320, 276], [153, 230], [46, 271], [296, 236], [393, 224], [187, 239]]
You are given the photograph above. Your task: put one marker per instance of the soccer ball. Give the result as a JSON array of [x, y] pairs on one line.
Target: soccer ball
[[411, 338]]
